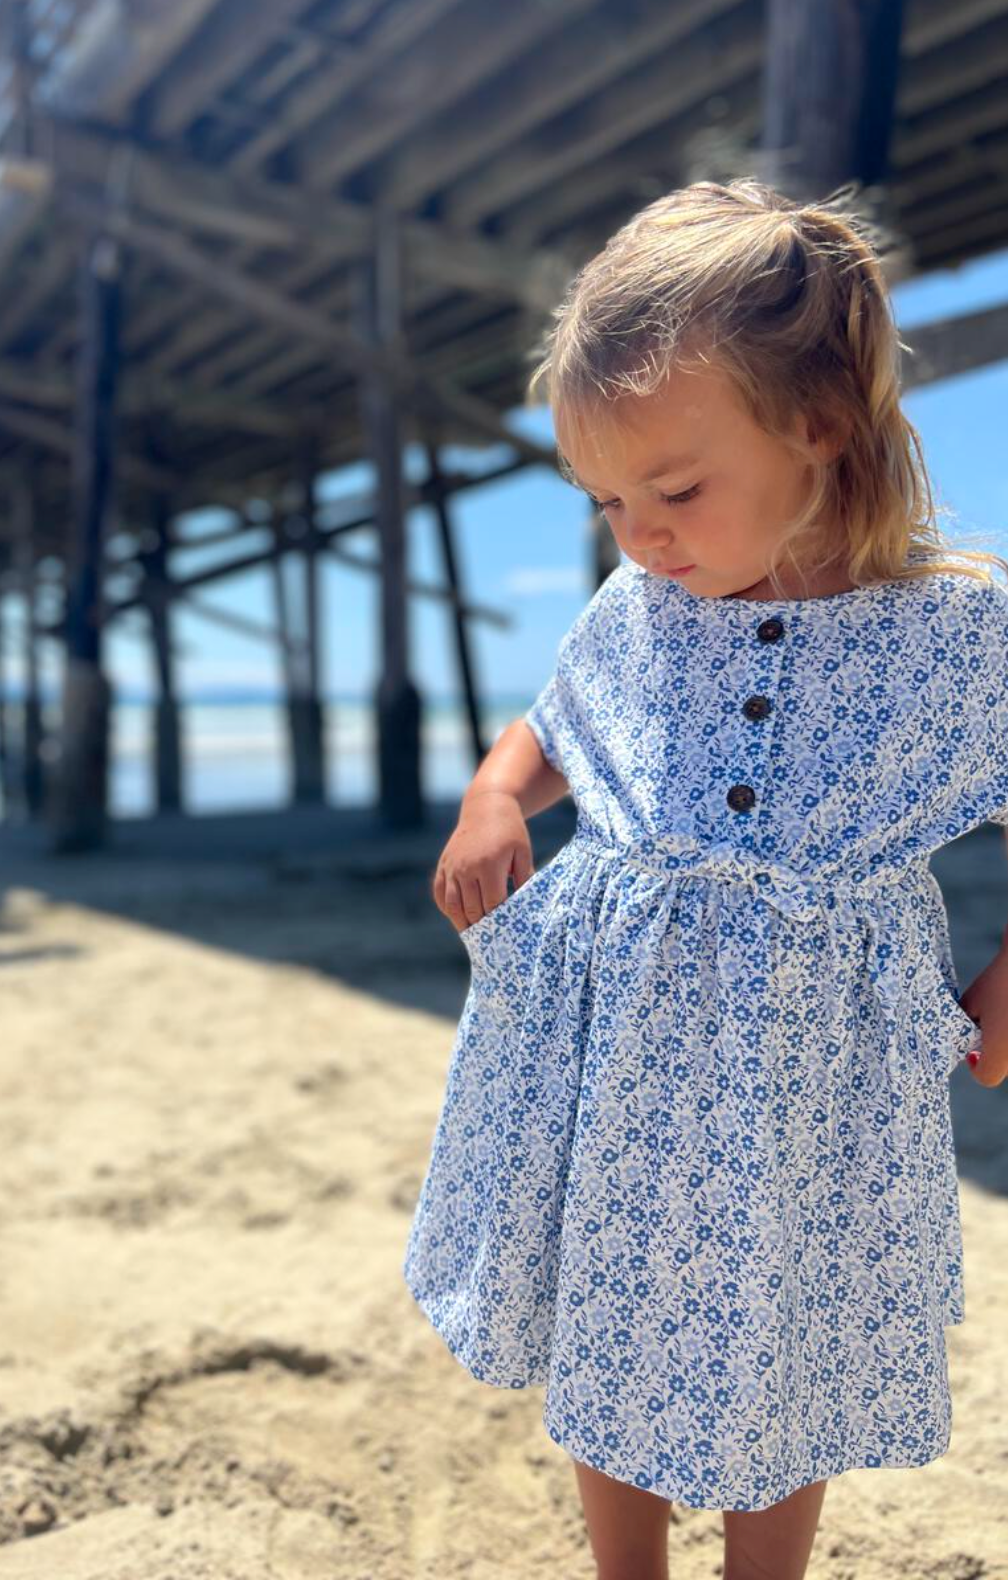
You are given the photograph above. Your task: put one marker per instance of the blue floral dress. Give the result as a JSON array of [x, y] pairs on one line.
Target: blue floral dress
[[694, 1168]]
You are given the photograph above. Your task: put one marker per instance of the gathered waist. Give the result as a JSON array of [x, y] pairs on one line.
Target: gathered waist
[[798, 894]]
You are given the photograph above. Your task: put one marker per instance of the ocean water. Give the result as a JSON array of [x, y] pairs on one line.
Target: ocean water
[[235, 757]]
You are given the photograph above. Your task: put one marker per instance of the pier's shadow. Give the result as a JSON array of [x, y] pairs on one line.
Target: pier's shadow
[[335, 891]]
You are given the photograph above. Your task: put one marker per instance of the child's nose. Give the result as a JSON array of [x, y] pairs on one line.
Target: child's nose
[[643, 534]]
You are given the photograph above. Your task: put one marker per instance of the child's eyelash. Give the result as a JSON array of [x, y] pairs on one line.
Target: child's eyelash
[[669, 499]]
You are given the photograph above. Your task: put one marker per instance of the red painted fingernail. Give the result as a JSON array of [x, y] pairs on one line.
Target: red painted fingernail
[[973, 1057]]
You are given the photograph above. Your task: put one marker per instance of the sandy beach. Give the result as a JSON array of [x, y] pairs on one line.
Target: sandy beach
[[219, 1089]]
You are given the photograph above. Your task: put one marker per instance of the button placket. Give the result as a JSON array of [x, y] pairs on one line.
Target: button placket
[[757, 707]]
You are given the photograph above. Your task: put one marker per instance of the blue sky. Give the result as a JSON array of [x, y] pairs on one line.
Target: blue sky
[[523, 543]]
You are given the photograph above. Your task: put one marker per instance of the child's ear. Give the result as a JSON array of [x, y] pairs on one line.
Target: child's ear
[[827, 441]]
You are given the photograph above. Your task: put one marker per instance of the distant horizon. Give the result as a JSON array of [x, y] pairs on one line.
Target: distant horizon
[[239, 696]]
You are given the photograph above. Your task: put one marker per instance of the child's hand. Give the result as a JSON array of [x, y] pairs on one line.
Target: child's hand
[[490, 840], [986, 1002]]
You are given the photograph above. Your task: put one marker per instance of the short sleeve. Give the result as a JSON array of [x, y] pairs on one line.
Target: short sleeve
[[557, 717], [986, 648], [551, 710]]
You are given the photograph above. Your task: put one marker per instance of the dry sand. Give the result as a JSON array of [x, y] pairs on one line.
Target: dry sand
[[219, 1088]]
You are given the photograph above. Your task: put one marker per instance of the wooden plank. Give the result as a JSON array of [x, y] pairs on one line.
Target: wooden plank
[[566, 69], [25, 296], [121, 52], [463, 653], [925, 32], [79, 787], [233, 36], [25, 549], [147, 393], [309, 472], [25, 194], [367, 564], [936, 132], [959, 67], [157, 593], [261, 301], [393, 32], [626, 182], [911, 189], [396, 699], [953, 346], [58, 437], [667, 86], [455, 59], [829, 87], [304, 713], [945, 249], [269, 214], [981, 197]]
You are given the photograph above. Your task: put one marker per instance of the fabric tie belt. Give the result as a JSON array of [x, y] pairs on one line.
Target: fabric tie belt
[[793, 894], [789, 891], [875, 906]]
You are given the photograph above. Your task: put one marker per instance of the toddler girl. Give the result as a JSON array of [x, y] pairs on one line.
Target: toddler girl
[[694, 1169]]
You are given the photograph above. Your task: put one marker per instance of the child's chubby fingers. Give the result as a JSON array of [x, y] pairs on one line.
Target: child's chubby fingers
[[466, 897], [449, 899]]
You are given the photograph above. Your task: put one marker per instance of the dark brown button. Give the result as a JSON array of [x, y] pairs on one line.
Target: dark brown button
[[741, 798], [756, 707], [770, 630]]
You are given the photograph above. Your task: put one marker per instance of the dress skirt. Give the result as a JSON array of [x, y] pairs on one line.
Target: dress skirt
[[694, 1170]]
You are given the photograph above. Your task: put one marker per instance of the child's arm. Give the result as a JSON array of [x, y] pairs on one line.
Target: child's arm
[[516, 765], [512, 783]]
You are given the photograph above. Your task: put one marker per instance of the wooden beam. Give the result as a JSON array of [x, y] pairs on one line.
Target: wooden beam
[[32, 773], [980, 113], [357, 514], [80, 788], [395, 31], [357, 510], [301, 700], [29, 291], [260, 630], [828, 92], [950, 247], [669, 85], [463, 654], [368, 564], [52, 435], [545, 280], [663, 159], [119, 51], [930, 31], [261, 301], [574, 64], [360, 126], [231, 40], [25, 193], [271, 214], [156, 588], [912, 188], [959, 67], [147, 394], [397, 699]]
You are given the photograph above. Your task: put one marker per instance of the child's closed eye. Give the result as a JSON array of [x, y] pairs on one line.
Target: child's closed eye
[[668, 499]]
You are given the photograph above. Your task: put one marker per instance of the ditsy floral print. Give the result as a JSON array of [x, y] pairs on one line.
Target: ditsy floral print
[[694, 1169]]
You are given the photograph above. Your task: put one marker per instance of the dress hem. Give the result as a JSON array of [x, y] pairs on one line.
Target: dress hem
[[471, 1365], [840, 1467], [555, 1433]]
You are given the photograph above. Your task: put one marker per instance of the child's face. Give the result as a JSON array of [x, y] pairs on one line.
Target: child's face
[[739, 488]]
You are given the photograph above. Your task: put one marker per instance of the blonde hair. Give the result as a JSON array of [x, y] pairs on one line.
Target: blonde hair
[[789, 299]]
